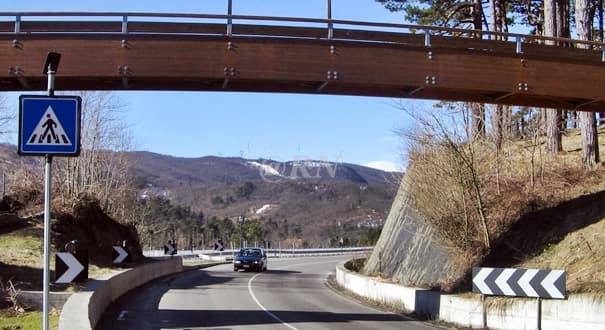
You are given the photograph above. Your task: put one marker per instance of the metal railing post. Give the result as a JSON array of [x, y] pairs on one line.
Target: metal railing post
[[229, 19], [427, 38], [519, 45], [330, 25], [18, 24], [124, 24]]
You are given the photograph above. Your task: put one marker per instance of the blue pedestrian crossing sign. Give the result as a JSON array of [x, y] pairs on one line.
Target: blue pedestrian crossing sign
[[49, 125]]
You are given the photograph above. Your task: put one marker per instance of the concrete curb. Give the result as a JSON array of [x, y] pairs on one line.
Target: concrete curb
[[83, 310], [582, 312]]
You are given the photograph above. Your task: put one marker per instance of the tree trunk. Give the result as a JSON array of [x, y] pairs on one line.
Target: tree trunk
[[550, 21], [590, 145], [498, 129], [563, 120], [477, 121], [498, 125], [588, 125], [553, 27], [575, 119], [601, 38], [477, 14], [553, 134], [562, 17], [477, 109]]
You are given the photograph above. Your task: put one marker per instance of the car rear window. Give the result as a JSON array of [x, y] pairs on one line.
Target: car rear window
[[251, 253]]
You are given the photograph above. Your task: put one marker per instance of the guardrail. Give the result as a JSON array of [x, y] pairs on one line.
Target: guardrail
[[129, 23], [272, 253]]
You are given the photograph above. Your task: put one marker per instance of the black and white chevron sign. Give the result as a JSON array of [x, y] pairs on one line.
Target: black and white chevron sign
[[70, 268], [120, 255], [519, 282], [170, 249]]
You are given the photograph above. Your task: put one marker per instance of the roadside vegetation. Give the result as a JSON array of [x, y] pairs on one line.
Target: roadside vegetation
[[506, 185], [27, 320], [508, 202]]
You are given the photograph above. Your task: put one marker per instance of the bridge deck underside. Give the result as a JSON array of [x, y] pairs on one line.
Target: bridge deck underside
[[451, 69]]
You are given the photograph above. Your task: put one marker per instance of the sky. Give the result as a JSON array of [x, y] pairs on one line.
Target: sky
[[360, 130]]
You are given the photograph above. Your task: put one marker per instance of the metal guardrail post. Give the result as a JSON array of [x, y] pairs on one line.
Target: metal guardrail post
[[18, 24]]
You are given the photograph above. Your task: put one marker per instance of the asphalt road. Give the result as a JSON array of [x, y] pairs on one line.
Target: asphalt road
[[291, 295]]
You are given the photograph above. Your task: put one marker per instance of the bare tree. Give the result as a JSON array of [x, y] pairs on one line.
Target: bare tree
[[477, 127], [7, 117], [101, 168], [447, 157]]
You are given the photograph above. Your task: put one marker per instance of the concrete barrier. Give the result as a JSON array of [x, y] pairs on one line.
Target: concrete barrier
[[83, 310], [33, 299], [582, 312]]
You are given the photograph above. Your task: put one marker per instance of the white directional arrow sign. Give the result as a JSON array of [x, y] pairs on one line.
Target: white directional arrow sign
[[550, 284], [219, 246], [519, 282], [74, 267], [169, 249], [479, 280], [502, 282], [525, 285], [121, 255]]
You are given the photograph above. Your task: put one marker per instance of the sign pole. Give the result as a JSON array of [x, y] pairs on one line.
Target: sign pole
[[539, 313], [47, 207], [483, 312], [47, 199]]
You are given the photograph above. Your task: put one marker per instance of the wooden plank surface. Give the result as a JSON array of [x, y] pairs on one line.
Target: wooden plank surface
[[463, 70]]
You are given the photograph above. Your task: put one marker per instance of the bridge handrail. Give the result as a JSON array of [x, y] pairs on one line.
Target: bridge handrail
[[123, 16]]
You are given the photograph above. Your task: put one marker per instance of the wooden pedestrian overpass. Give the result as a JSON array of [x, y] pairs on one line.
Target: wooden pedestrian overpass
[[191, 52]]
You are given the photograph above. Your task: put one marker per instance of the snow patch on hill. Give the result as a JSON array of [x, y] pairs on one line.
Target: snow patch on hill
[[264, 209], [266, 169]]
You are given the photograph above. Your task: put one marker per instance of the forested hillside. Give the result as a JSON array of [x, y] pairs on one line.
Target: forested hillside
[[200, 200]]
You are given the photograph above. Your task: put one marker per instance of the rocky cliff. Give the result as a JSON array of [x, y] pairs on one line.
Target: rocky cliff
[[409, 250]]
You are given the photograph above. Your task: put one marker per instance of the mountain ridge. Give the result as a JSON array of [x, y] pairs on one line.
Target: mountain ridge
[[233, 169]]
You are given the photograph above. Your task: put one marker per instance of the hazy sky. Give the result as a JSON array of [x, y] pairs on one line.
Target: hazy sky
[[254, 125]]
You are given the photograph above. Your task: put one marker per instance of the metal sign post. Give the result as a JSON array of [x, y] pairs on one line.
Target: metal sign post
[[49, 126], [52, 63]]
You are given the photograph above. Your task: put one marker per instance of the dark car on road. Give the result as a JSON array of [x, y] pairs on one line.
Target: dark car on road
[[250, 259]]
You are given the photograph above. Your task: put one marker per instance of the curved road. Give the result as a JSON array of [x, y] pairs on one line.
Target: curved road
[[290, 295]]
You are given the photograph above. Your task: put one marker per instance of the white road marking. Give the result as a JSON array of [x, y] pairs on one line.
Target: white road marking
[[122, 315], [275, 317]]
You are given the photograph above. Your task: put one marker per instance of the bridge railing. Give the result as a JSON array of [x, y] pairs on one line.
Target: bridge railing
[[188, 24]]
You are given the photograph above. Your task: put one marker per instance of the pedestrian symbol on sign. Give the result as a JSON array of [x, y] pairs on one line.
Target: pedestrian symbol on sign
[[49, 131]]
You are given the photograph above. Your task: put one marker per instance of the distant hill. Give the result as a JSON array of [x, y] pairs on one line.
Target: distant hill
[[211, 169], [313, 197]]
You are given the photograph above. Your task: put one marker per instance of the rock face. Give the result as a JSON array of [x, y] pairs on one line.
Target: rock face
[[409, 251]]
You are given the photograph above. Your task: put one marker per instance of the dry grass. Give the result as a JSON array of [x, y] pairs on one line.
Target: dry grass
[[582, 255], [21, 251], [521, 179]]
